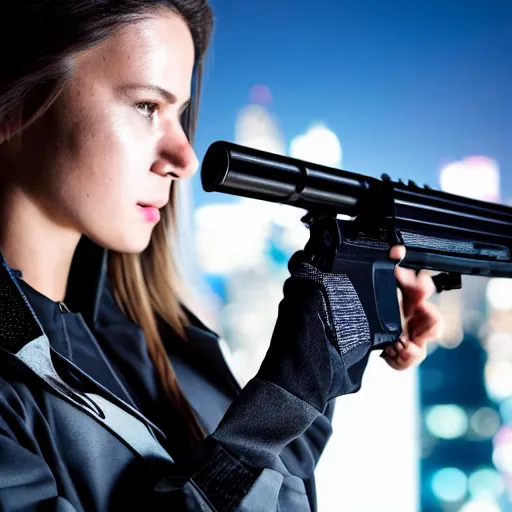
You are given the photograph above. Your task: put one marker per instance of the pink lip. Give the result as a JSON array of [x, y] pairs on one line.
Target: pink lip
[[150, 213]]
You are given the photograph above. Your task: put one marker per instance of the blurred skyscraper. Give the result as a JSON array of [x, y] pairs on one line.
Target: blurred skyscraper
[[375, 430], [461, 423]]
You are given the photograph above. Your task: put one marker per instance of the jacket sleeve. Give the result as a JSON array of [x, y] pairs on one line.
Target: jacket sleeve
[[240, 467], [301, 456], [26, 482], [245, 465]]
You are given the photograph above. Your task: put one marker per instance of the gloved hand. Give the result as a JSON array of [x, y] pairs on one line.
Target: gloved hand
[[319, 350], [321, 342], [346, 325]]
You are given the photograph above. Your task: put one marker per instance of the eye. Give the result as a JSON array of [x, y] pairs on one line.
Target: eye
[[147, 108], [185, 120]]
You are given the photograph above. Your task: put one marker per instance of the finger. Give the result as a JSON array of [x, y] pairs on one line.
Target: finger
[[400, 344], [412, 289], [391, 362], [399, 352], [411, 356], [425, 284], [397, 252], [406, 357], [428, 336], [413, 284], [396, 348], [425, 324], [415, 288], [391, 352], [406, 279]]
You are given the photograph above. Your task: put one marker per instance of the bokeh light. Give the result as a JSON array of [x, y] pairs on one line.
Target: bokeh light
[[499, 346], [449, 484], [319, 145], [481, 505], [477, 177], [486, 483], [446, 421], [498, 379], [506, 411], [499, 293], [485, 422], [502, 454]]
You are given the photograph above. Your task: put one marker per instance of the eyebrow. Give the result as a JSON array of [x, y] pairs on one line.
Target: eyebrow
[[167, 95]]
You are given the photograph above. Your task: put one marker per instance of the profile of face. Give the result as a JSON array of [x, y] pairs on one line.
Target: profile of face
[[102, 159]]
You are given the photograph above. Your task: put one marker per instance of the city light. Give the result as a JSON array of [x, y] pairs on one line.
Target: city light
[[485, 422], [486, 483], [319, 145], [499, 346], [481, 505], [502, 457], [256, 127], [506, 411], [231, 237], [449, 484], [498, 379], [477, 177], [499, 294], [446, 421]]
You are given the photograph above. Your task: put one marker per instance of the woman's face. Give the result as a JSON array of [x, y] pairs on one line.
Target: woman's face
[[102, 159]]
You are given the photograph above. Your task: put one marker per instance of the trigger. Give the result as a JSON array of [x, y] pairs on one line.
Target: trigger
[[447, 281]]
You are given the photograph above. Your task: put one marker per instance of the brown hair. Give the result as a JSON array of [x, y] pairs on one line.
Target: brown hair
[[38, 40]]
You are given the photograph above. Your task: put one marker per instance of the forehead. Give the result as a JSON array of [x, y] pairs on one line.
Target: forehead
[[157, 50]]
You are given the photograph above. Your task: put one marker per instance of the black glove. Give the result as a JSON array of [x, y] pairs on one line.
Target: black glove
[[319, 350], [321, 342]]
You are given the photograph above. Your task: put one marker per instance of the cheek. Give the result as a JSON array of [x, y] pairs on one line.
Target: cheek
[[108, 162]]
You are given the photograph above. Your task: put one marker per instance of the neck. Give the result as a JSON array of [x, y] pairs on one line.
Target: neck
[[36, 245]]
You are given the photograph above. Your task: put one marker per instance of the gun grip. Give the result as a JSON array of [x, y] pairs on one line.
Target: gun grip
[[370, 270], [384, 285], [376, 286]]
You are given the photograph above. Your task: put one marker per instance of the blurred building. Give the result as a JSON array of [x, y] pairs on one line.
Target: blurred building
[[244, 246], [465, 383], [464, 460]]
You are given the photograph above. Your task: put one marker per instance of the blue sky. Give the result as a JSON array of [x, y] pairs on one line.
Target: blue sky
[[406, 85]]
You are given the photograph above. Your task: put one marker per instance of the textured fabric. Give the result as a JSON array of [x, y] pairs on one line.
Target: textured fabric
[[222, 477], [17, 325], [307, 355], [264, 442], [342, 309]]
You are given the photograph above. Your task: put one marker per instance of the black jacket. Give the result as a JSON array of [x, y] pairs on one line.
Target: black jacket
[[82, 421]]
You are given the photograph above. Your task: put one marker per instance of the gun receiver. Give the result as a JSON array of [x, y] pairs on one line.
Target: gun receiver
[[443, 232]]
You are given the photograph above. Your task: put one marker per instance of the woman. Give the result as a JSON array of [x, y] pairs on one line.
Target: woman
[[111, 393]]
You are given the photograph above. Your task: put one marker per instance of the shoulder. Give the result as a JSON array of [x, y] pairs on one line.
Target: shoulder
[[196, 323], [17, 400]]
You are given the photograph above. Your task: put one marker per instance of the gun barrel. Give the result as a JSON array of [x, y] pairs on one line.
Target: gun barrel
[[427, 219], [237, 170]]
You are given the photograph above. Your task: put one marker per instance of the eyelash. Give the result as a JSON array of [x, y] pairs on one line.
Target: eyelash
[[153, 106]]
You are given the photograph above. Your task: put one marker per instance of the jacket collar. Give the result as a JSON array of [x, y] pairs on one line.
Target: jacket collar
[[87, 287], [202, 346], [87, 279]]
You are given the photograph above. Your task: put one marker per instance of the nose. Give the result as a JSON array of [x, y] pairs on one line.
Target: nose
[[177, 157]]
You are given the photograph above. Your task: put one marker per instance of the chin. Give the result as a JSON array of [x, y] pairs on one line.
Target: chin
[[133, 247], [134, 243]]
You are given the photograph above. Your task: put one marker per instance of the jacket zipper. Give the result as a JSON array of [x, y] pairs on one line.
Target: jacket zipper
[[63, 308]]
